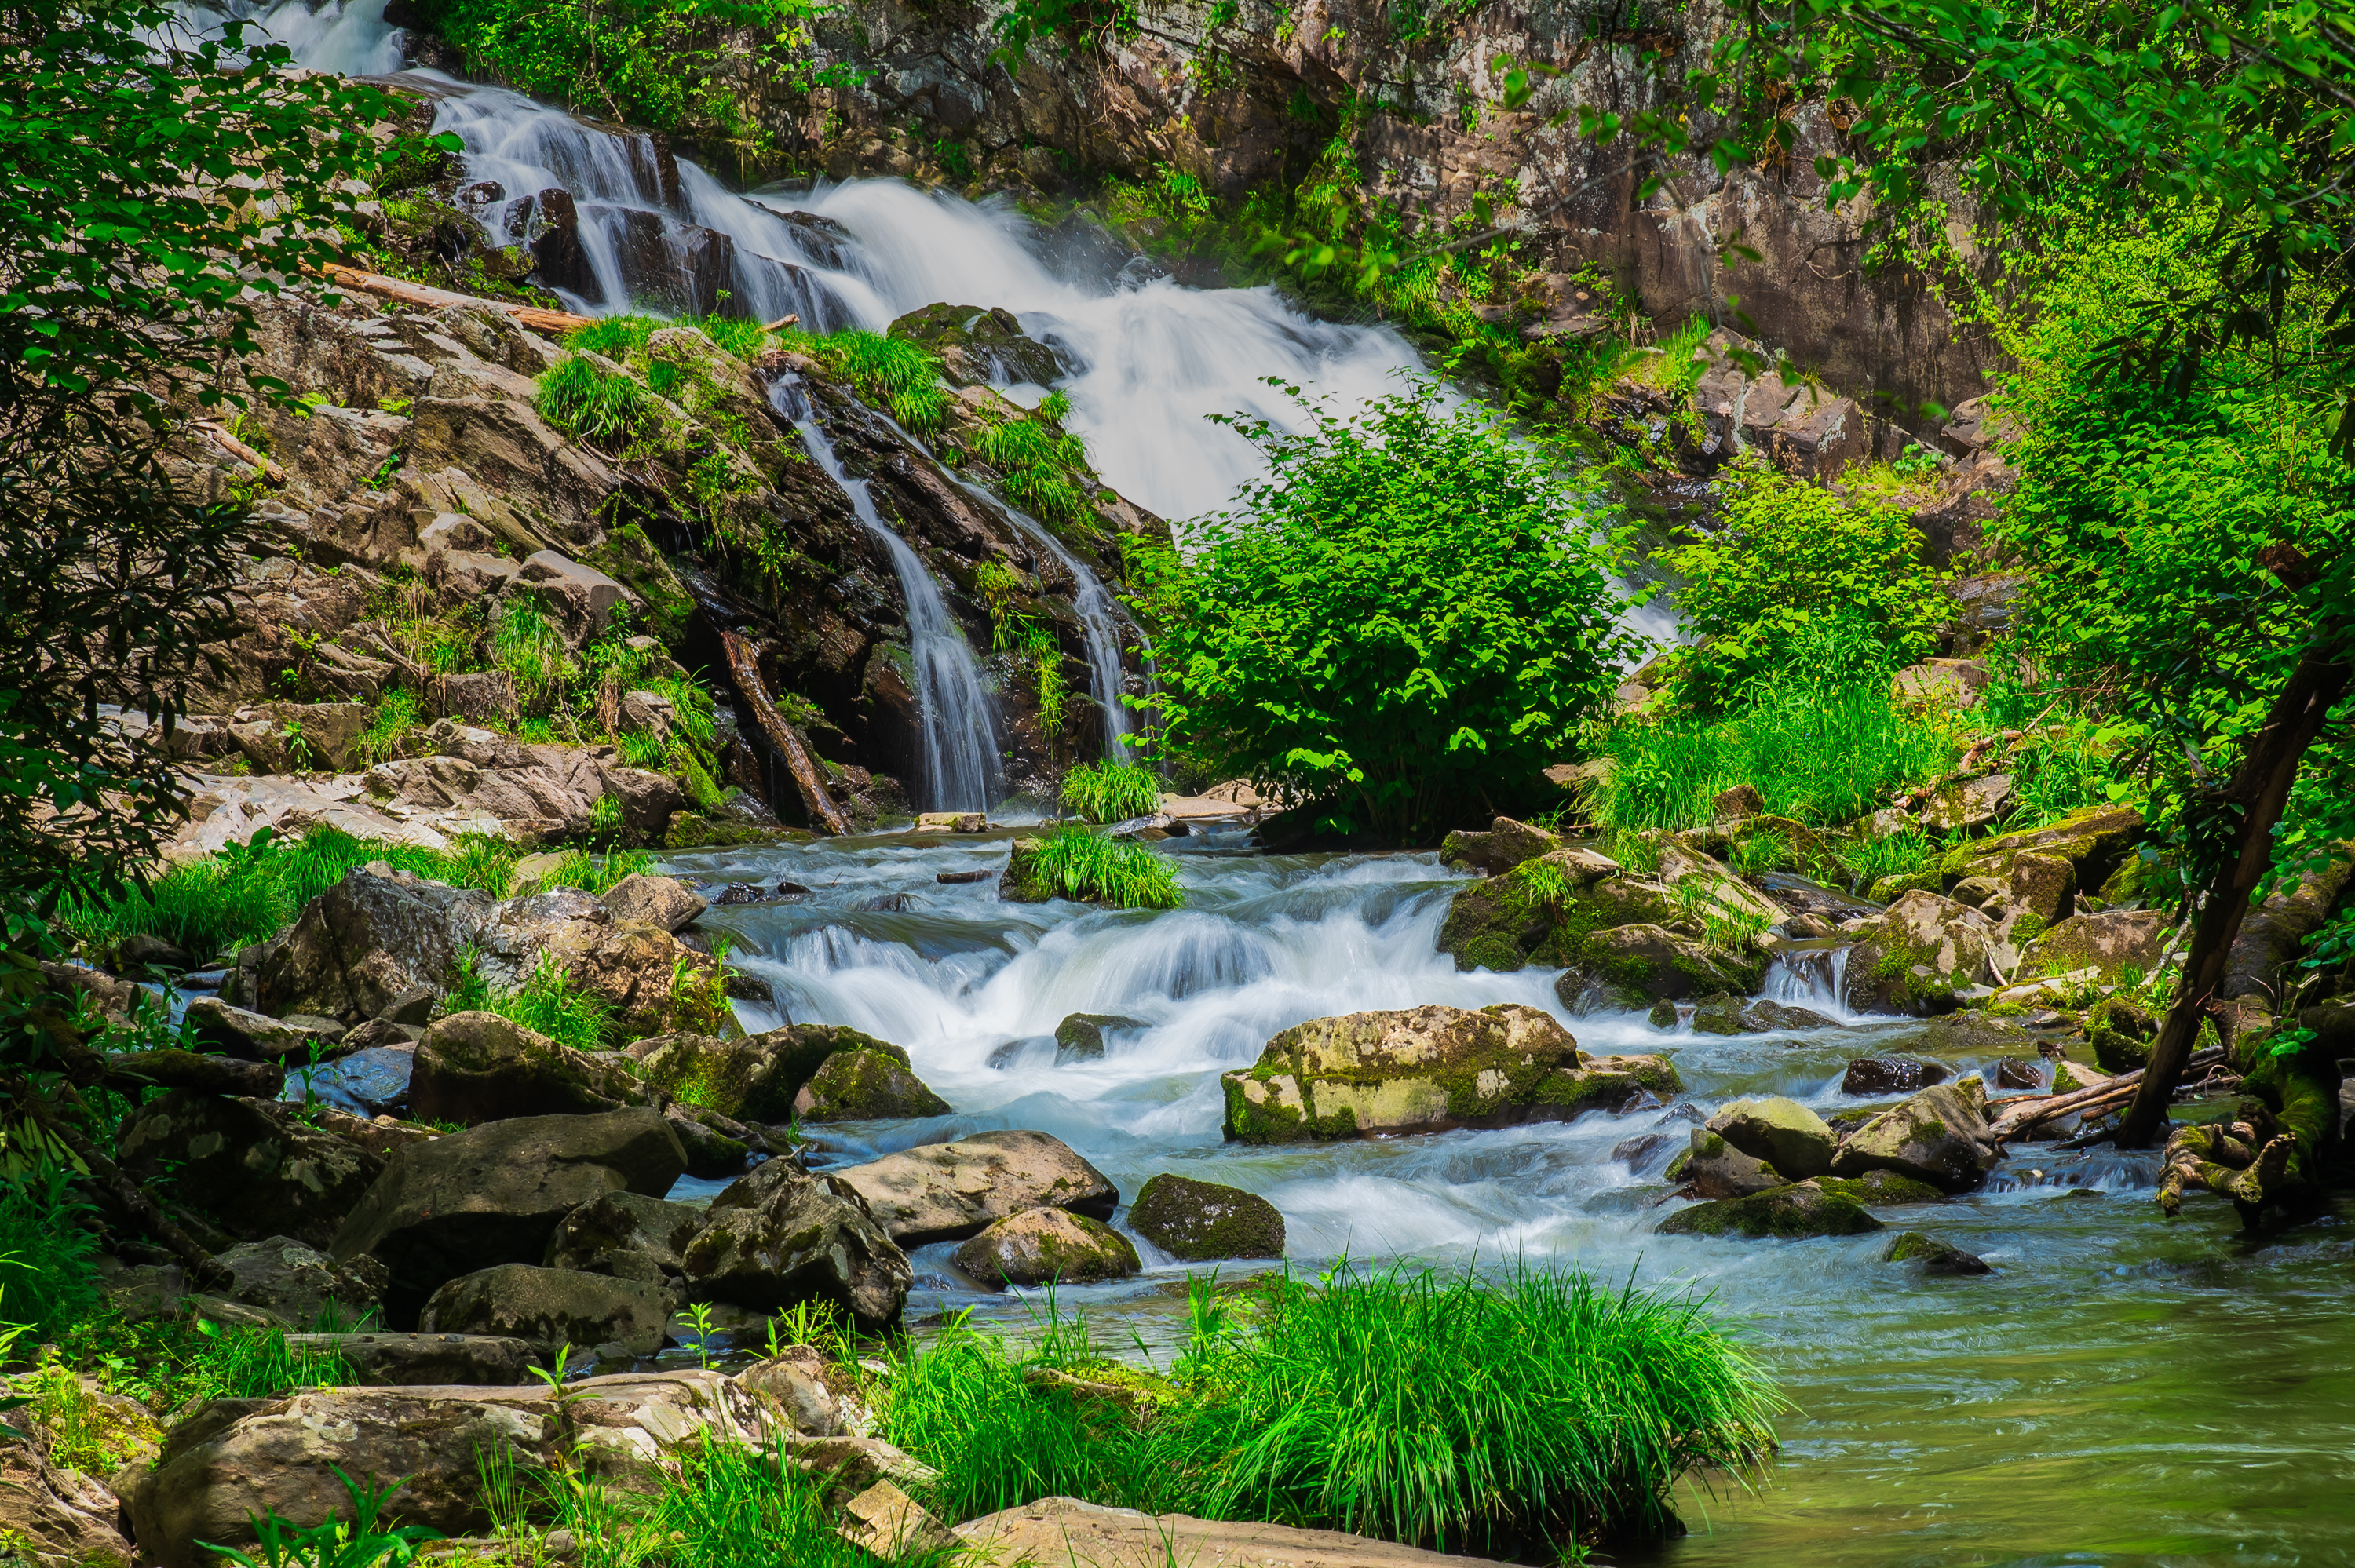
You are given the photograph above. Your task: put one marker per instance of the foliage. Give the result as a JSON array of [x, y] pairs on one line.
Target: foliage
[[1404, 623], [1793, 558], [49, 1275], [1112, 792], [1073, 24], [606, 409], [597, 873], [891, 371], [1440, 1410], [1868, 860], [393, 721], [240, 1362], [362, 1542], [1036, 459], [549, 1002], [1077, 863]]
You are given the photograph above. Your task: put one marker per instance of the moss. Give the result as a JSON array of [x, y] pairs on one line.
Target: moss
[[1882, 1186], [865, 1084], [1201, 1222], [2121, 1034], [628, 556], [1804, 1209]]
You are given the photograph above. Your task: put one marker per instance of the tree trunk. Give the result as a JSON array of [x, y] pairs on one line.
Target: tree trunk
[[2262, 785]]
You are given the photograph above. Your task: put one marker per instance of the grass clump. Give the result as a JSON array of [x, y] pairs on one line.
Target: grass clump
[[48, 1273], [549, 1002], [1539, 1410], [1072, 862], [891, 371], [597, 873], [603, 408], [1112, 792], [1036, 458], [393, 721]]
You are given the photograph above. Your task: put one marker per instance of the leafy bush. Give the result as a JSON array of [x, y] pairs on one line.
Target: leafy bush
[[1438, 1409], [1072, 862], [1792, 558], [1112, 792], [1404, 624]]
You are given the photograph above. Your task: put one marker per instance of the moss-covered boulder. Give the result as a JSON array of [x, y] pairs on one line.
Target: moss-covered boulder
[[1939, 1136], [867, 1084], [473, 1067], [1921, 956], [1505, 845], [978, 345], [1629, 967], [2093, 841], [1785, 1134], [1712, 1168], [2121, 1034], [1542, 911], [1881, 1189], [1047, 1246], [1427, 1069], [2109, 943], [1081, 1036], [1892, 1075], [1201, 1222], [755, 1079], [1934, 1255], [1803, 1209]]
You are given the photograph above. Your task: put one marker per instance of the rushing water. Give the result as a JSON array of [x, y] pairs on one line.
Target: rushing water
[[2121, 1389]]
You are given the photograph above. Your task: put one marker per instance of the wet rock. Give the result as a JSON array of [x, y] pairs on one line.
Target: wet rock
[[257, 1037], [1428, 1069], [1712, 1168], [1939, 1136], [887, 904], [476, 1067], [960, 878], [1081, 1036], [1542, 911], [1785, 1134], [1627, 968], [252, 1166], [413, 1360], [1505, 845], [1201, 1222], [551, 1307], [866, 1086], [740, 893], [298, 1285], [757, 1078], [662, 901], [1879, 1076], [1881, 1189], [496, 1192], [978, 345], [716, 1147], [1934, 1255], [1804, 1209], [370, 1082], [2121, 1034], [2013, 1073], [1645, 1150], [782, 1236], [2108, 943], [947, 1192], [233, 1460], [1920, 956], [1044, 1246], [1763, 1016]]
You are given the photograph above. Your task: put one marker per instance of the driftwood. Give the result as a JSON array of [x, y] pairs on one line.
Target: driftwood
[[408, 293], [744, 665], [239, 451], [2026, 1110]]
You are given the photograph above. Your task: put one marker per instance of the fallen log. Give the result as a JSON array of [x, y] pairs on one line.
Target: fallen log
[[2027, 1111], [408, 293], [239, 451], [744, 665]]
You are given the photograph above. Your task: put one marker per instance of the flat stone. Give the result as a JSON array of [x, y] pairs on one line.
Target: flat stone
[[1064, 1533], [947, 1192], [425, 1360]]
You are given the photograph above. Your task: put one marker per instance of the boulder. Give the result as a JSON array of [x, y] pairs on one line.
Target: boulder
[[1712, 1168], [782, 1236], [1081, 1036], [1803, 1209], [2121, 1034], [370, 1082], [947, 1192], [233, 1460], [716, 1147], [1505, 845], [1427, 1069], [755, 1079], [300, 1285], [801, 1380], [1047, 1247], [1058, 1531], [1920, 956], [866, 1086], [625, 1234], [1763, 1016], [1628, 967], [1785, 1134], [2091, 841], [412, 1361], [53, 1516], [1934, 1255], [496, 1192], [257, 1037], [1944, 683], [662, 901], [1880, 1189], [1939, 1136], [1969, 805], [476, 1067], [1879, 1076], [580, 599], [1542, 911], [551, 1307], [2043, 886], [373, 936], [1202, 1222], [979, 345], [2110, 942], [254, 1167]]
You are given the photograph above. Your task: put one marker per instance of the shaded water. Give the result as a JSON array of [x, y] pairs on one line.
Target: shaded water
[[2120, 1391]]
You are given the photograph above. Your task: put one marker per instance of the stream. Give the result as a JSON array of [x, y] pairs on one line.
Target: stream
[[2120, 1391]]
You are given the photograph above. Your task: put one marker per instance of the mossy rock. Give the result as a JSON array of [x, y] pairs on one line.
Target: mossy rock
[[758, 1078], [1022, 882], [1801, 1209], [1883, 1188], [1047, 1246], [2109, 943], [1543, 910], [1081, 1036], [2121, 1034], [1628, 967], [629, 558], [1202, 1222], [693, 830], [1934, 1255], [867, 1084]]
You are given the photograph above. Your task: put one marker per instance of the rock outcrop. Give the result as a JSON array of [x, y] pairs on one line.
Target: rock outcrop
[[782, 1236], [947, 1192], [475, 1067]]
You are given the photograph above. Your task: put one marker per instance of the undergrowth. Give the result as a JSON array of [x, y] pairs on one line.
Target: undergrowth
[[548, 1002], [1076, 863], [891, 371], [1112, 792]]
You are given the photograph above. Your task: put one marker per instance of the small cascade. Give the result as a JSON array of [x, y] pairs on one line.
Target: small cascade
[[960, 740], [1811, 974]]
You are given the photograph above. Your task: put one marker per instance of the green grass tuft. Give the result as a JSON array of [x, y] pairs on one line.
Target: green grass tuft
[[49, 1271], [605, 408], [547, 1002], [738, 335], [1077, 863], [891, 371], [1112, 792], [614, 336]]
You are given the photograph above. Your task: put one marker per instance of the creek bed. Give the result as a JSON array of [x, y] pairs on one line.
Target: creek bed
[[2121, 1389]]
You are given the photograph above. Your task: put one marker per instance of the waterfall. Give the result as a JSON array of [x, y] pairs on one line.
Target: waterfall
[[960, 743], [1813, 975]]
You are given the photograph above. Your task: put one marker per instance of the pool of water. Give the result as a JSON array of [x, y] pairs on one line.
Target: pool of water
[[2121, 1389]]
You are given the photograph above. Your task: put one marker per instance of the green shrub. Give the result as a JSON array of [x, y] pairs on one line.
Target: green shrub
[[891, 371], [1112, 792], [49, 1271], [1792, 558], [394, 719], [527, 647], [606, 409], [1406, 623], [1436, 1410], [1037, 462], [614, 337], [1074, 863]]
